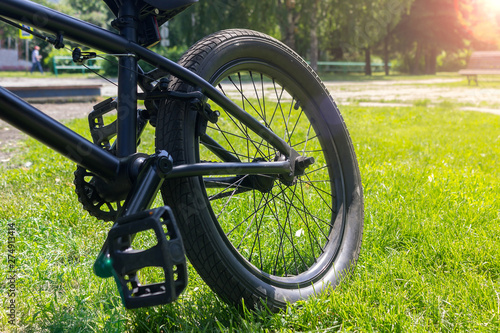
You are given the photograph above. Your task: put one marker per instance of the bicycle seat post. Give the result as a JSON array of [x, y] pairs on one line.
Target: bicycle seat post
[[127, 82]]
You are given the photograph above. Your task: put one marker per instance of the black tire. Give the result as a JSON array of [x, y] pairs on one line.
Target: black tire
[[287, 240]]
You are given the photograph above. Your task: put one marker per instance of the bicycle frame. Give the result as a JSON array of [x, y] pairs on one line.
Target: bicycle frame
[[35, 123], [121, 174]]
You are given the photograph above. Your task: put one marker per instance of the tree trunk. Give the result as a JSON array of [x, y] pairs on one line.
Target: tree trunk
[[290, 31], [416, 63], [314, 35], [290, 24], [368, 62], [386, 51], [427, 61], [431, 60]]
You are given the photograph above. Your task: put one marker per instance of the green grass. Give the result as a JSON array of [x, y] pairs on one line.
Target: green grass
[[430, 259]]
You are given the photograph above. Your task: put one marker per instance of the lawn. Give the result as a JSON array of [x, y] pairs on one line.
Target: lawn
[[430, 259]]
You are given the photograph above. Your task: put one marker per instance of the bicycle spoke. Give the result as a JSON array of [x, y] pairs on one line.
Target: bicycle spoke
[[280, 247], [316, 170], [229, 199], [243, 131], [318, 190], [243, 96], [290, 239], [308, 228], [302, 142], [296, 124], [226, 134], [230, 134], [313, 182], [257, 238], [306, 212], [280, 233], [289, 207], [245, 219]]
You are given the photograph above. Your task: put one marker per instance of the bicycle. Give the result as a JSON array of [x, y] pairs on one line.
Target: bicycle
[[256, 168]]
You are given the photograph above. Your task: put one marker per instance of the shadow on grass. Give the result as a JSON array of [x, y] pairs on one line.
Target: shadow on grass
[[200, 311]]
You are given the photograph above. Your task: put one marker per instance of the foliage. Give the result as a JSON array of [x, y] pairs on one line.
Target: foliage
[[361, 26], [481, 19], [452, 61], [95, 12], [365, 23], [206, 17], [7, 31], [415, 33], [436, 27], [48, 62], [110, 65], [430, 27]]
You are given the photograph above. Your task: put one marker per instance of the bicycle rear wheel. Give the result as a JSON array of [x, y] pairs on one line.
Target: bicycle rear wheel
[[257, 238]]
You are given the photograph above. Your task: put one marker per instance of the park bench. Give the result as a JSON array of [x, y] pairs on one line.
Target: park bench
[[348, 67], [66, 63], [482, 63]]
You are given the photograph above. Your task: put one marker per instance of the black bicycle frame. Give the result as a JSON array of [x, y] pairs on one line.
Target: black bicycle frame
[[35, 123]]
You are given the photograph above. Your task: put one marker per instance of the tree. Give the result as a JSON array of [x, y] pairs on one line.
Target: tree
[[9, 37], [8, 31], [481, 19], [93, 11], [355, 28], [313, 19], [206, 17], [389, 14], [289, 14], [372, 23], [431, 27]]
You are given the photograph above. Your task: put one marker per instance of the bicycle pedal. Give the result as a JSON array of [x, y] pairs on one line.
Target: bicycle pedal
[[165, 259]]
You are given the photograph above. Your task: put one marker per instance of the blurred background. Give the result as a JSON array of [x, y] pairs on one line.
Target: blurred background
[[402, 36]]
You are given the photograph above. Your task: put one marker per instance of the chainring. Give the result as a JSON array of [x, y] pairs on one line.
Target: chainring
[[89, 197]]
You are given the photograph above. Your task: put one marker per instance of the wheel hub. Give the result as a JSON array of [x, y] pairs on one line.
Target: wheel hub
[[263, 183]]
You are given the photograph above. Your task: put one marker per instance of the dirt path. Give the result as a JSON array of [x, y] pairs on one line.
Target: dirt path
[[413, 91], [10, 135]]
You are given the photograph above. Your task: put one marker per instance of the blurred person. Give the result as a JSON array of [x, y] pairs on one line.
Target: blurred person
[[35, 59]]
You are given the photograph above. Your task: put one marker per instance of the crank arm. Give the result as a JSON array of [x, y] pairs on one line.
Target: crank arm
[[140, 198], [117, 257]]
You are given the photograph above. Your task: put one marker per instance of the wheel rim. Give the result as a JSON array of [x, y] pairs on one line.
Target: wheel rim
[[285, 234]]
